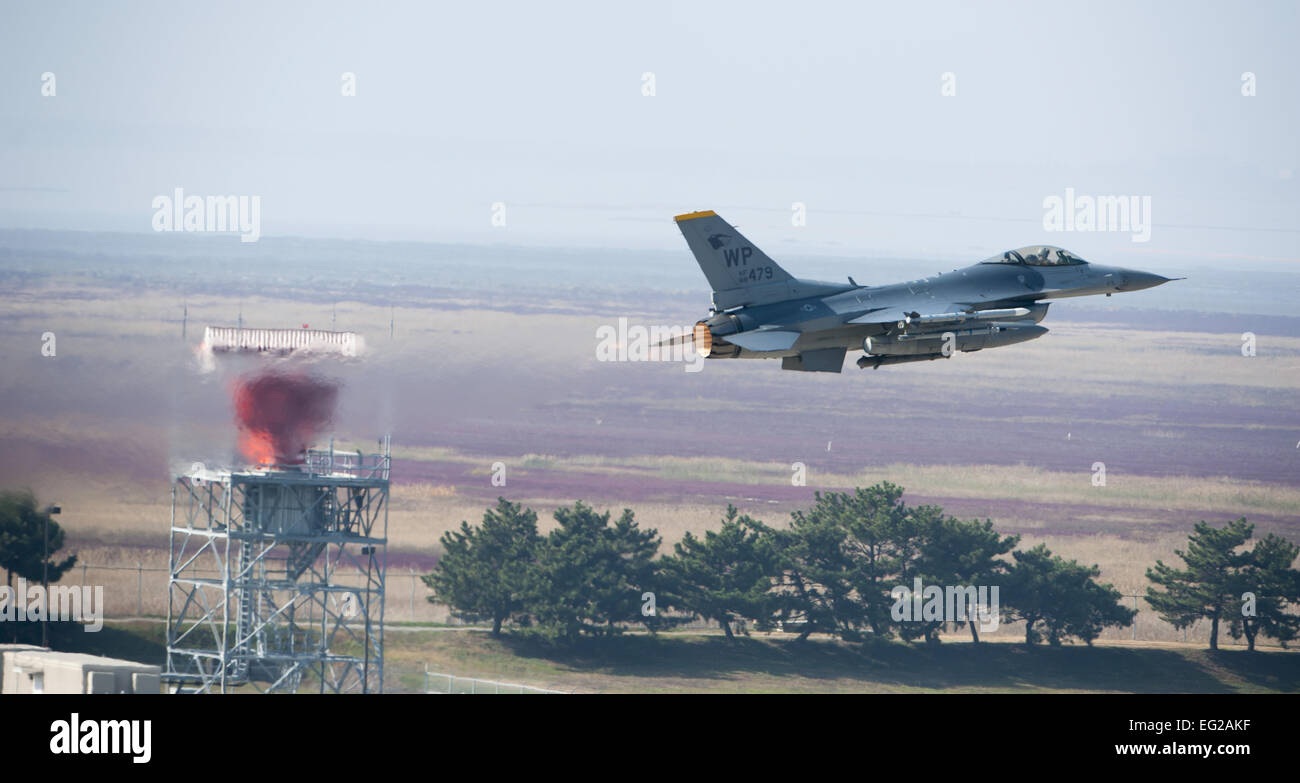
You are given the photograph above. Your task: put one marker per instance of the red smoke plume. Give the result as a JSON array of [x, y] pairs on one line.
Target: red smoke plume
[[279, 414]]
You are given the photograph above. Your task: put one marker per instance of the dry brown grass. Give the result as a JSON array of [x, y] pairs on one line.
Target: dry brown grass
[[112, 521]]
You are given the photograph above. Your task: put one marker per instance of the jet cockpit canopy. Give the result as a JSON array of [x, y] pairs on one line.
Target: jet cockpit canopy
[[1037, 255]]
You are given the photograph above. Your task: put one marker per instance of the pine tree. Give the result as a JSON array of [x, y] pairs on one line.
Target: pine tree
[[484, 571], [24, 542], [1209, 585], [961, 554], [841, 559], [820, 570], [725, 576], [1062, 595], [591, 575], [1268, 588]]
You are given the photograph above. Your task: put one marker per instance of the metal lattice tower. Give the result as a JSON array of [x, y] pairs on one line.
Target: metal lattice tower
[[277, 576]]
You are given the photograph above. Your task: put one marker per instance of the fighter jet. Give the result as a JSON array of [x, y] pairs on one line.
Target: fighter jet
[[761, 311]]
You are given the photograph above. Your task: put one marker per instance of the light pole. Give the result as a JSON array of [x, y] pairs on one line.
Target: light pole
[[45, 571]]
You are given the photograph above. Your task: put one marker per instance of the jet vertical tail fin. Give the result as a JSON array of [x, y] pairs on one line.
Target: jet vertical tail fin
[[739, 273]]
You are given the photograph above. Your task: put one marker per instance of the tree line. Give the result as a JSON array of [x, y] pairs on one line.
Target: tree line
[[837, 569]]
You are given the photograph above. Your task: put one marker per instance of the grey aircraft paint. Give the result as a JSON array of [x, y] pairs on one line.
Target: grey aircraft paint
[[761, 311]]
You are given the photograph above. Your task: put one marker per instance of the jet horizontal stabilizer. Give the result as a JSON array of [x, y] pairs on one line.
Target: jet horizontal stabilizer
[[764, 340]]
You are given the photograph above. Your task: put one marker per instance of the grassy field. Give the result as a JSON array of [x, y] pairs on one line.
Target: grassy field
[[1123, 527], [1187, 427], [1123, 541], [707, 663], [1015, 481]]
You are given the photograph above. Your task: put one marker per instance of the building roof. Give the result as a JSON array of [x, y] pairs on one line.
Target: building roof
[[42, 657]]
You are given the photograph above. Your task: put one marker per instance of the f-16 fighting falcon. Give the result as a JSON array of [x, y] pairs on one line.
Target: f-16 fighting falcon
[[761, 311]]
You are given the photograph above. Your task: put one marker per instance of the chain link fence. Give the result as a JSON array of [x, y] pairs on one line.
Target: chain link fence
[[440, 682], [139, 589]]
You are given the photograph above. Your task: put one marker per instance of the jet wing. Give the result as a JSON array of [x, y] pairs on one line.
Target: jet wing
[[880, 315]]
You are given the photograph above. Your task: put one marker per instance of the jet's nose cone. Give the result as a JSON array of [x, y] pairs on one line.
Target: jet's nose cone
[[1136, 281]]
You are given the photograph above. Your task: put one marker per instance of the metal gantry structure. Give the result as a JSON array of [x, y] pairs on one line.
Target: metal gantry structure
[[277, 576]]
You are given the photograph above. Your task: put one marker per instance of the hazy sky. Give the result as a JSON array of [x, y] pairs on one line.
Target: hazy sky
[[756, 106]]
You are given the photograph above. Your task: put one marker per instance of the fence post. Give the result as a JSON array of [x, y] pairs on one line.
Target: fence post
[[412, 570], [83, 574], [139, 588], [1135, 618]]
